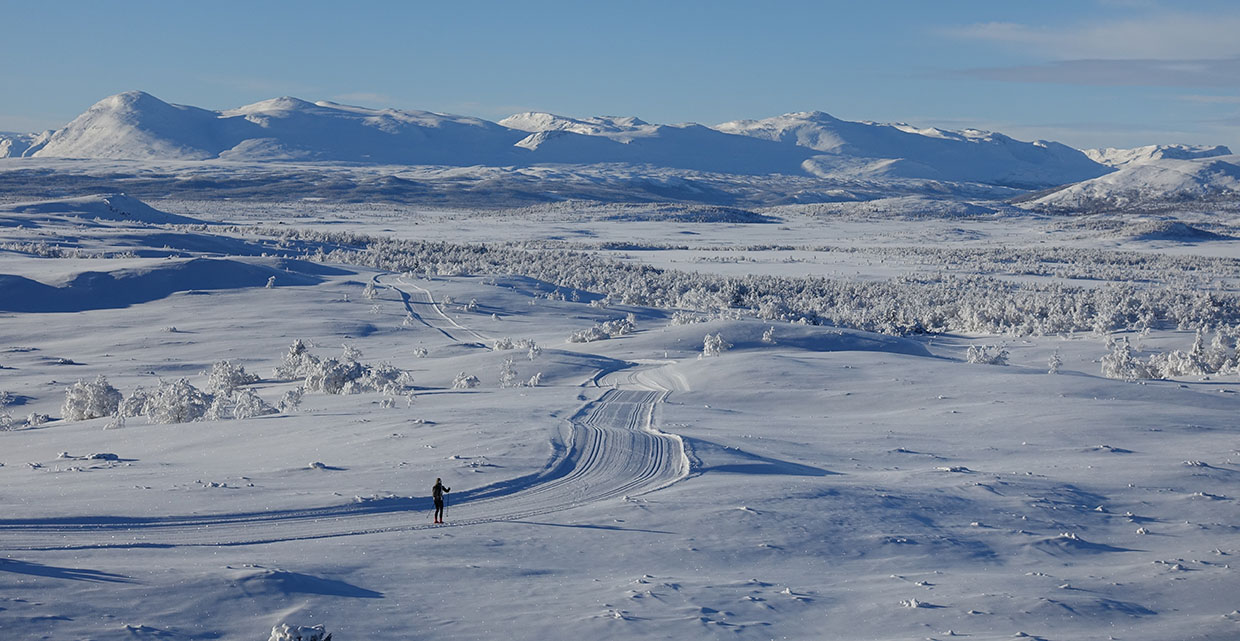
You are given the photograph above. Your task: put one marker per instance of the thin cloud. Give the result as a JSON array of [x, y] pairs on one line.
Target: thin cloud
[[1211, 100], [1156, 36], [1222, 72]]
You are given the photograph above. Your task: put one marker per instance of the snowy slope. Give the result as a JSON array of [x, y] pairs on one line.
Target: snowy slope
[[1113, 157], [14, 145], [900, 150], [1151, 182]]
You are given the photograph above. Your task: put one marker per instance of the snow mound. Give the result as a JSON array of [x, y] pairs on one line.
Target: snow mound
[[116, 207], [159, 279], [1172, 230]]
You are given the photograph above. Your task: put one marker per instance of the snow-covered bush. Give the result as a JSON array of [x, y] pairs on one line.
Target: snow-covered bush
[[297, 362], [535, 380], [768, 336], [1054, 363], [176, 402], [508, 374], [35, 419], [686, 318], [1121, 363], [714, 345], [271, 282], [286, 632], [369, 292], [292, 399], [465, 381], [533, 352], [603, 331], [987, 355], [95, 399], [134, 404], [420, 352], [589, 335], [333, 377], [226, 377], [247, 404], [502, 344]]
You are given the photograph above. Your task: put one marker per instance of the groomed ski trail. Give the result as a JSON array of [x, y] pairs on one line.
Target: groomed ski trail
[[612, 449]]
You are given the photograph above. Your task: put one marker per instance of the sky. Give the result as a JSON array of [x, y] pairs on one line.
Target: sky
[[1088, 73]]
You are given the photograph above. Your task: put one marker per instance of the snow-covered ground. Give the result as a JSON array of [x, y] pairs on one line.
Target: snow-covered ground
[[807, 482]]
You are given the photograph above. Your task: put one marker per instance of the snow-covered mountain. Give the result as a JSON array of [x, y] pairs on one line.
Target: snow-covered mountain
[[136, 125], [899, 150], [1152, 182], [1113, 157], [14, 145]]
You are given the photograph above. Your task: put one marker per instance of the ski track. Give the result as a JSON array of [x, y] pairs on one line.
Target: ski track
[[613, 450]]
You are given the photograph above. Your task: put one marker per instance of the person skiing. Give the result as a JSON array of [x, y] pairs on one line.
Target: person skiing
[[437, 494]]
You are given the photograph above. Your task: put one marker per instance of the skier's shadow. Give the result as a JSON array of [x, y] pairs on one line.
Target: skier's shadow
[[706, 456]]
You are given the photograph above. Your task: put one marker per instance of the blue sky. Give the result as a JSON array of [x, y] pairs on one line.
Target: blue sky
[[1084, 72]]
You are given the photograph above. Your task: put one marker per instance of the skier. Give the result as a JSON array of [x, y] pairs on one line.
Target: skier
[[437, 493]]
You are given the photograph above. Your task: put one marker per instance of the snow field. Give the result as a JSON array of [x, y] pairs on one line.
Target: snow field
[[841, 484]]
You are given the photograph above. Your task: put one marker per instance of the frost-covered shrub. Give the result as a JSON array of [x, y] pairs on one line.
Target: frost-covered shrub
[[768, 336], [35, 419], [225, 377], [271, 282], [508, 374], [369, 292], [686, 318], [502, 344], [420, 352], [292, 399], [297, 363], [535, 380], [714, 345], [603, 331], [465, 381], [589, 335], [134, 404], [247, 404], [1054, 363], [620, 326], [286, 632], [95, 399], [176, 402], [533, 352], [333, 377], [1121, 363], [987, 355]]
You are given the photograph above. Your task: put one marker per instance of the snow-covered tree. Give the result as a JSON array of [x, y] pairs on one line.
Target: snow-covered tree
[[768, 336], [369, 292], [1054, 363], [465, 381], [176, 402], [987, 355], [247, 404], [95, 399], [714, 345], [225, 377], [1121, 363], [508, 374]]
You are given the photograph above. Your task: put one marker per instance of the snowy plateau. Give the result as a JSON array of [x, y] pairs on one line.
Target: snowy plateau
[[791, 378]]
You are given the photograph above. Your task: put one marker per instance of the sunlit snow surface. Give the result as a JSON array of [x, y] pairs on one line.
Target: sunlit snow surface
[[827, 483]]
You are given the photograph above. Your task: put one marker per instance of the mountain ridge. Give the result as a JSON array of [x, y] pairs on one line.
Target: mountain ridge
[[136, 125]]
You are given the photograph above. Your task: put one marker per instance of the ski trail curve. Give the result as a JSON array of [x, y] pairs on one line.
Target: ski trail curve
[[612, 449]]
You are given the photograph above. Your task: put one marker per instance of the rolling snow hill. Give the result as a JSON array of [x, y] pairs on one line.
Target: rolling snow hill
[[137, 126], [1152, 183]]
